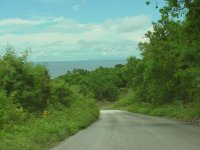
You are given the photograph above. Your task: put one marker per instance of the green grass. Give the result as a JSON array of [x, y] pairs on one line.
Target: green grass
[[188, 112], [39, 132], [105, 105]]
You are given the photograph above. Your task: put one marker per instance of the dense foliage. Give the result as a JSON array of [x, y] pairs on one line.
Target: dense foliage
[[29, 84], [166, 80], [170, 66], [36, 112], [103, 84]]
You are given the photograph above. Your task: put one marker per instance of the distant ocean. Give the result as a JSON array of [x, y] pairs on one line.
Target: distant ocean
[[58, 68]]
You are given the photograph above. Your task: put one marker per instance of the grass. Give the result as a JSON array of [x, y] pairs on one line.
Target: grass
[[178, 110], [105, 105], [41, 132]]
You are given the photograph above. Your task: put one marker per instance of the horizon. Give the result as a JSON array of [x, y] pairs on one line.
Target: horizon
[[81, 60], [57, 68]]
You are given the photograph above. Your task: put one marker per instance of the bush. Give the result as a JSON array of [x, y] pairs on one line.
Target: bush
[[31, 83], [102, 83], [41, 132], [61, 93], [10, 113]]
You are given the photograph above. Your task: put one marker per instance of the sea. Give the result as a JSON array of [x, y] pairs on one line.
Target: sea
[[57, 68]]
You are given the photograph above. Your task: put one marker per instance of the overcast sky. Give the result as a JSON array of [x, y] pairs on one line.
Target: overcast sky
[[58, 30]]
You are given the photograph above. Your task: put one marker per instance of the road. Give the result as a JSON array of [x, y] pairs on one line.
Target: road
[[120, 130]]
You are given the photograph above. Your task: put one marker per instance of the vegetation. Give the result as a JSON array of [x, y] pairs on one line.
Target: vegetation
[[177, 109], [165, 81], [102, 84], [36, 112]]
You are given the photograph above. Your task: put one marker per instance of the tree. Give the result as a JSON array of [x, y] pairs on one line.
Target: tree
[[30, 82]]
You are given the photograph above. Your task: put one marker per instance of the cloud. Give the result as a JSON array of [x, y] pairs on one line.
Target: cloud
[[128, 24], [18, 21], [59, 38]]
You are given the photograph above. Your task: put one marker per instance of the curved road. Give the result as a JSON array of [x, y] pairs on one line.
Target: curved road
[[120, 130]]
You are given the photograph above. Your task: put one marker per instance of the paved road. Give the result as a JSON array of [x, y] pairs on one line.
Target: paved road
[[120, 130]]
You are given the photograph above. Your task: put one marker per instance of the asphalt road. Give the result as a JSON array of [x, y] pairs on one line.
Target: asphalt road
[[120, 130]]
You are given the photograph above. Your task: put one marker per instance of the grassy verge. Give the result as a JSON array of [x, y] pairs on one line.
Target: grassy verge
[[188, 112], [105, 105], [41, 131]]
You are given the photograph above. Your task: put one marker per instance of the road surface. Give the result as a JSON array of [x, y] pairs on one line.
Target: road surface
[[120, 130]]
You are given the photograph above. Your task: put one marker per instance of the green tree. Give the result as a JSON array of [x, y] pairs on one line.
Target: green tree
[[30, 82], [61, 93]]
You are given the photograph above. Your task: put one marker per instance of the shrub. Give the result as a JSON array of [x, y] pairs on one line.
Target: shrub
[[61, 93], [10, 113], [30, 82]]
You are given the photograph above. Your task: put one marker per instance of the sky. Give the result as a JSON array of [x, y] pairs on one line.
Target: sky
[[71, 30]]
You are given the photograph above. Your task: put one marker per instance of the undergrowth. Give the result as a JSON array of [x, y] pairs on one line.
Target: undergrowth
[[41, 131], [189, 111]]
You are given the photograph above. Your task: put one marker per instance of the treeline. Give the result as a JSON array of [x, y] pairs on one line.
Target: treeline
[[103, 84], [35, 111]]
